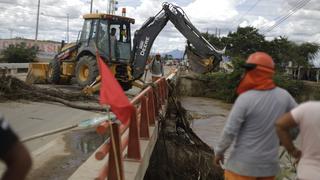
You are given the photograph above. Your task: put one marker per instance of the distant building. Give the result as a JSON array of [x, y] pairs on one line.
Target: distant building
[[47, 49]]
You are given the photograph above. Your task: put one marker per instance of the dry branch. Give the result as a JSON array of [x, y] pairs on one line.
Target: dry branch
[[12, 88]]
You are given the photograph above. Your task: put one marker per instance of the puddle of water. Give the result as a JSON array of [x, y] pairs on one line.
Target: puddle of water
[[83, 141], [79, 145]]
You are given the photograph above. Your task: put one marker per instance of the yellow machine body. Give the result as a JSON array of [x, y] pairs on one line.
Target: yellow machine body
[[37, 72], [68, 68]]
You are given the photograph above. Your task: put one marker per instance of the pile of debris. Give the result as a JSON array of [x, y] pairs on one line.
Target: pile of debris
[[179, 153], [12, 88]]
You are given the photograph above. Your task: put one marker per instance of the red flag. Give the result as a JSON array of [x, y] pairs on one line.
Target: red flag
[[112, 94]]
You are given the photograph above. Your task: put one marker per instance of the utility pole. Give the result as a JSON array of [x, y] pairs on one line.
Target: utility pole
[[11, 30], [68, 28], [112, 6], [36, 38], [216, 32], [91, 6]]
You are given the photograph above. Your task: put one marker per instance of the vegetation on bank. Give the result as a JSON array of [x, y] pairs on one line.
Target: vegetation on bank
[[248, 40], [241, 44], [223, 86]]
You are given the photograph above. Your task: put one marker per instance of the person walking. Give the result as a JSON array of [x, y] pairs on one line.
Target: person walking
[[306, 117], [251, 123], [156, 68], [14, 154]]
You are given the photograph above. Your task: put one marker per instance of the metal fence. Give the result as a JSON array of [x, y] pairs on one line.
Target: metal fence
[[147, 106]]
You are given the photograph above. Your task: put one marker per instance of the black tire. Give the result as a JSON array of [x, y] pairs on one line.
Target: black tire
[[54, 71], [125, 85], [86, 70]]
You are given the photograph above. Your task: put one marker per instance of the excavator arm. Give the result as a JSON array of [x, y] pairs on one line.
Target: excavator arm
[[145, 36]]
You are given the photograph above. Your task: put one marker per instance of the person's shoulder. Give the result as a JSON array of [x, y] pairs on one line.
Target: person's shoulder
[[281, 91], [245, 97], [252, 94], [310, 105]]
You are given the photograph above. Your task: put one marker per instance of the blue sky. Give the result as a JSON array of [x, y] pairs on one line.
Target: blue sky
[[207, 15]]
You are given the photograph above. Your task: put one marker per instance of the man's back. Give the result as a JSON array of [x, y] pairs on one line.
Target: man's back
[[156, 67], [307, 116], [256, 143]]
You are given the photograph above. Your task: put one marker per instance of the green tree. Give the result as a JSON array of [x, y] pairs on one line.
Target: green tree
[[214, 40], [246, 40], [19, 53], [167, 57], [282, 51], [307, 53]]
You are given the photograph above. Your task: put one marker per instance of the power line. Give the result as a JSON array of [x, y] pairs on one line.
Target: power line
[[291, 12], [299, 5], [253, 6]]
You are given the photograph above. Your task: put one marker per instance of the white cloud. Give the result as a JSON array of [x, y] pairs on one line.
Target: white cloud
[[206, 15], [214, 10]]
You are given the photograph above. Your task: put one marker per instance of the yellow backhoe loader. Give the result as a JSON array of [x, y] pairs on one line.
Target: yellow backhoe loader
[[111, 36]]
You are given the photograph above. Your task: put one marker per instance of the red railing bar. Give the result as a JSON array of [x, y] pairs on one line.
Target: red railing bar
[[104, 171], [144, 119], [105, 148], [151, 107], [115, 156], [103, 127], [138, 126], [134, 143], [137, 98]]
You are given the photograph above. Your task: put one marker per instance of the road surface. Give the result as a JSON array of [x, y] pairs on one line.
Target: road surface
[[30, 118]]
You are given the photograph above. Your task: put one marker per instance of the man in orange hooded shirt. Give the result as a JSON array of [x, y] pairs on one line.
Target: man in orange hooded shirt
[[251, 123]]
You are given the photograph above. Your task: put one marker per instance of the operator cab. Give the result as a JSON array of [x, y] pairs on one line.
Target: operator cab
[[110, 33]]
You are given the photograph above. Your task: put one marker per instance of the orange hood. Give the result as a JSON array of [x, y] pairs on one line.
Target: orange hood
[[259, 78]]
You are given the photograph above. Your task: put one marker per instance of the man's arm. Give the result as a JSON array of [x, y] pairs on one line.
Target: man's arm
[[283, 125], [231, 129], [13, 153], [223, 144]]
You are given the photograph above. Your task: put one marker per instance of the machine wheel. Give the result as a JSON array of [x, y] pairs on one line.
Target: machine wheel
[[54, 71], [86, 70], [126, 85]]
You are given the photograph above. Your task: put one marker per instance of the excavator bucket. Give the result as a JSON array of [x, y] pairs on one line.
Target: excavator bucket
[[198, 64], [37, 73]]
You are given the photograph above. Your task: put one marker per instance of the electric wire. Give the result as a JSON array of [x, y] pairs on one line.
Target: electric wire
[[250, 9], [291, 12], [300, 5]]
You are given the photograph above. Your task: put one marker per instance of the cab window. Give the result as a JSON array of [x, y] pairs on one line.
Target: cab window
[[85, 30], [103, 37]]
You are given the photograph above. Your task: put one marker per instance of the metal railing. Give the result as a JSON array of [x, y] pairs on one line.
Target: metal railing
[[147, 106]]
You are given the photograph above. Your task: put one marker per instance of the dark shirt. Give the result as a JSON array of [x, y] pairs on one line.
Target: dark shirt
[[7, 137]]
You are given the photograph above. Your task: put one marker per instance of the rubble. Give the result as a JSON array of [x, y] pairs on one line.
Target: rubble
[[12, 88], [179, 153]]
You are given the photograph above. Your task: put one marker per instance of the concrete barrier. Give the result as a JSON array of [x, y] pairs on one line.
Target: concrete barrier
[[14, 68]]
